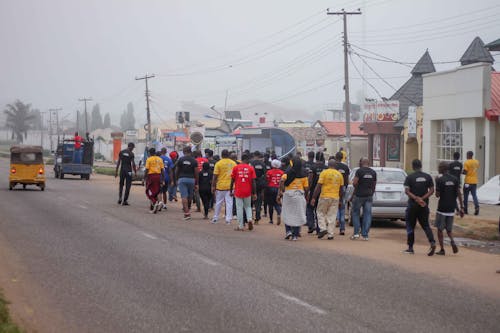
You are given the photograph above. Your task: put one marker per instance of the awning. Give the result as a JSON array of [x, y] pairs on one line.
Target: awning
[[492, 115]]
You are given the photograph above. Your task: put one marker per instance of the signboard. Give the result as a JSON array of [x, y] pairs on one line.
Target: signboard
[[250, 131], [182, 117], [412, 121], [381, 111], [393, 147], [131, 133], [226, 141]]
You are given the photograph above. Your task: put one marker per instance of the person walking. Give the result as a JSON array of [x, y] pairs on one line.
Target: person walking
[[168, 175], [221, 185], [316, 169], [187, 180], [273, 178], [243, 181], [344, 170], [293, 193], [418, 187], [127, 163], [260, 172], [205, 188], [154, 176], [200, 160], [448, 191], [364, 182], [471, 166], [172, 188], [455, 169], [328, 188]]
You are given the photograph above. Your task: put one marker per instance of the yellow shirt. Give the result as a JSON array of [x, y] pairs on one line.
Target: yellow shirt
[[344, 156], [471, 167], [154, 165], [223, 170], [331, 180], [297, 184]]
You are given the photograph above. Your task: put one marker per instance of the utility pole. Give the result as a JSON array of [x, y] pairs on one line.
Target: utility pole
[[41, 128], [346, 81], [56, 112], [85, 100], [145, 78]]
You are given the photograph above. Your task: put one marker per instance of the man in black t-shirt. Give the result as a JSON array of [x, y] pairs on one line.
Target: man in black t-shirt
[[126, 160], [187, 179], [344, 170], [260, 173], [316, 169], [455, 168], [448, 191], [364, 182], [418, 187]]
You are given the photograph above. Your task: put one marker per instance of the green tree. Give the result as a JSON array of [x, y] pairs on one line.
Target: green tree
[[107, 120], [96, 118], [127, 119], [19, 119]]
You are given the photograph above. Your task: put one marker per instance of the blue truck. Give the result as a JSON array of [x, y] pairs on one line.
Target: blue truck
[[71, 161]]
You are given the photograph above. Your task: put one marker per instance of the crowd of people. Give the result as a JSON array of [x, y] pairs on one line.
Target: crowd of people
[[297, 192]]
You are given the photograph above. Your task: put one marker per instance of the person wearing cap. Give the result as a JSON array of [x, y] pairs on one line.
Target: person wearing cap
[[126, 161]]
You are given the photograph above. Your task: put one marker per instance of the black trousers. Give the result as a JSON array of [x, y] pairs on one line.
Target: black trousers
[[415, 212], [125, 179], [206, 198]]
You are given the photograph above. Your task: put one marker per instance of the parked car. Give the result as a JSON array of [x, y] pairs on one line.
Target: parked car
[[389, 199], [139, 163]]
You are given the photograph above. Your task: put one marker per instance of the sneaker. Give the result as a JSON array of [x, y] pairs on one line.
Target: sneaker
[[476, 211], [288, 235], [310, 231], [228, 222], [214, 221], [250, 225], [342, 233], [164, 206], [160, 205], [271, 222], [322, 234], [205, 217], [330, 237], [365, 238], [187, 217], [239, 229], [119, 201], [156, 206], [454, 247], [125, 203], [409, 251], [279, 220], [432, 250], [354, 237], [294, 238], [440, 253]]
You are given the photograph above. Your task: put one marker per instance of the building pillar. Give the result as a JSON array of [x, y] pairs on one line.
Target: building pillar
[[383, 152]]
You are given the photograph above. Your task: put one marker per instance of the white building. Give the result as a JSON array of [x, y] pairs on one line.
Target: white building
[[455, 106]]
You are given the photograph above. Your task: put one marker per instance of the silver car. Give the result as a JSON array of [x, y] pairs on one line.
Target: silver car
[[390, 199]]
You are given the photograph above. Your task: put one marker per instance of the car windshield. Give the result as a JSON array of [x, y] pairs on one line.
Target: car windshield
[[390, 177]]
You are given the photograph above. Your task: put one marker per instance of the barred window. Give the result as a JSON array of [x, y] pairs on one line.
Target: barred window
[[449, 139]]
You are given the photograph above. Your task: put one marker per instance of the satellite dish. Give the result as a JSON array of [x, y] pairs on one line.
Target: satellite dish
[[196, 138]]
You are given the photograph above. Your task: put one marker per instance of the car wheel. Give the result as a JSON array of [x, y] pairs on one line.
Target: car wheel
[[42, 187], [11, 186]]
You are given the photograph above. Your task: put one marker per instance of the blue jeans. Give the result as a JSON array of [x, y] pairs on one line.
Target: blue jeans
[[470, 188], [341, 211], [243, 206], [172, 192], [292, 230], [186, 187], [311, 218], [366, 203]]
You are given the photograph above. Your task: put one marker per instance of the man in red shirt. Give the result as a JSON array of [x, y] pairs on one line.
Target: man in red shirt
[[200, 159], [78, 149], [273, 178], [243, 181]]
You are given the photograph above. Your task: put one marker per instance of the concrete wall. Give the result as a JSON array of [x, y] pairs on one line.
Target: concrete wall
[[359, 147]]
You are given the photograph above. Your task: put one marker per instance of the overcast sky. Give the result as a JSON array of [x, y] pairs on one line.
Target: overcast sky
[[280, 51]]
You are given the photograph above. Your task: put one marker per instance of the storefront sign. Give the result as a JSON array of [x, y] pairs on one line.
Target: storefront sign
[[381, 111], [412, 121]]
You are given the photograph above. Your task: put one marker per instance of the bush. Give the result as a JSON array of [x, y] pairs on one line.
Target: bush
[[105, 171], [6, 325]]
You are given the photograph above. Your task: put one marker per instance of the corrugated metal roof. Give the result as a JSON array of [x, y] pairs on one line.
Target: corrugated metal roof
[[476, 52], [495, 91]]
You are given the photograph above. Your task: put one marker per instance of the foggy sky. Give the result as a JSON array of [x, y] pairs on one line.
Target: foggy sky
[[56, 51]]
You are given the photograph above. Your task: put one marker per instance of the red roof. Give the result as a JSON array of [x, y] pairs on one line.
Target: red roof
[[495, 92], [337, 128]]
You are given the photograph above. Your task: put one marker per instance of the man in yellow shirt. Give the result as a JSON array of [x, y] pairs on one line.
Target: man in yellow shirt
[[329, 184], [154, 175], [471, 166], [221, 186]]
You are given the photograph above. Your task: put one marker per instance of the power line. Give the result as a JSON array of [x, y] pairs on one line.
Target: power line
[[85, 100], [145, 78]]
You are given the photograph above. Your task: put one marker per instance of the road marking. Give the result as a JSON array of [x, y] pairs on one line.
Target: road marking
[[145, 234], [295, 300], [83, 207], [206, 260]]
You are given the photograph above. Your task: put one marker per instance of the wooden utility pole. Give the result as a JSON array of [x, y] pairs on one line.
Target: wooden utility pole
[[346, 82], [85, 100], [145, 78]]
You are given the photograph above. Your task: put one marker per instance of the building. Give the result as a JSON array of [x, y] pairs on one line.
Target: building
[[460, 115], [307, 138], [335, 138]]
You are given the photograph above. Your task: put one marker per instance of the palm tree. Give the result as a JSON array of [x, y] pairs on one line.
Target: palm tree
[[19, 119]]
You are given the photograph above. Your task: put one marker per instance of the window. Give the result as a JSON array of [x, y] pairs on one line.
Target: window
[[449, 139]]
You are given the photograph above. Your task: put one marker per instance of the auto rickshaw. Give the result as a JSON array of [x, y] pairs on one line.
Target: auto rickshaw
[[26, 166]]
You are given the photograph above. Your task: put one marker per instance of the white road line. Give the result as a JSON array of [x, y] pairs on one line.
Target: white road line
[[206, 260], [145, 234], [295, 300], [83, 207]]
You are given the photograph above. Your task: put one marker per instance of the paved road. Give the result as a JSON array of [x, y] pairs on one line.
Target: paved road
[[118, 269]]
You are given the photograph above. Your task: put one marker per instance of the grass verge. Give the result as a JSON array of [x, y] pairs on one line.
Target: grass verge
[[105, 171], [6, 325]]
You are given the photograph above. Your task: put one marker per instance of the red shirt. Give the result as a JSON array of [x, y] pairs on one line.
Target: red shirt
[[78, 142], [200, 161], [273, 177], [243, 175]]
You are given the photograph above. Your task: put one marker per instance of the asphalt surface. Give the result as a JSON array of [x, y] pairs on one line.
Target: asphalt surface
[[110, 268]]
